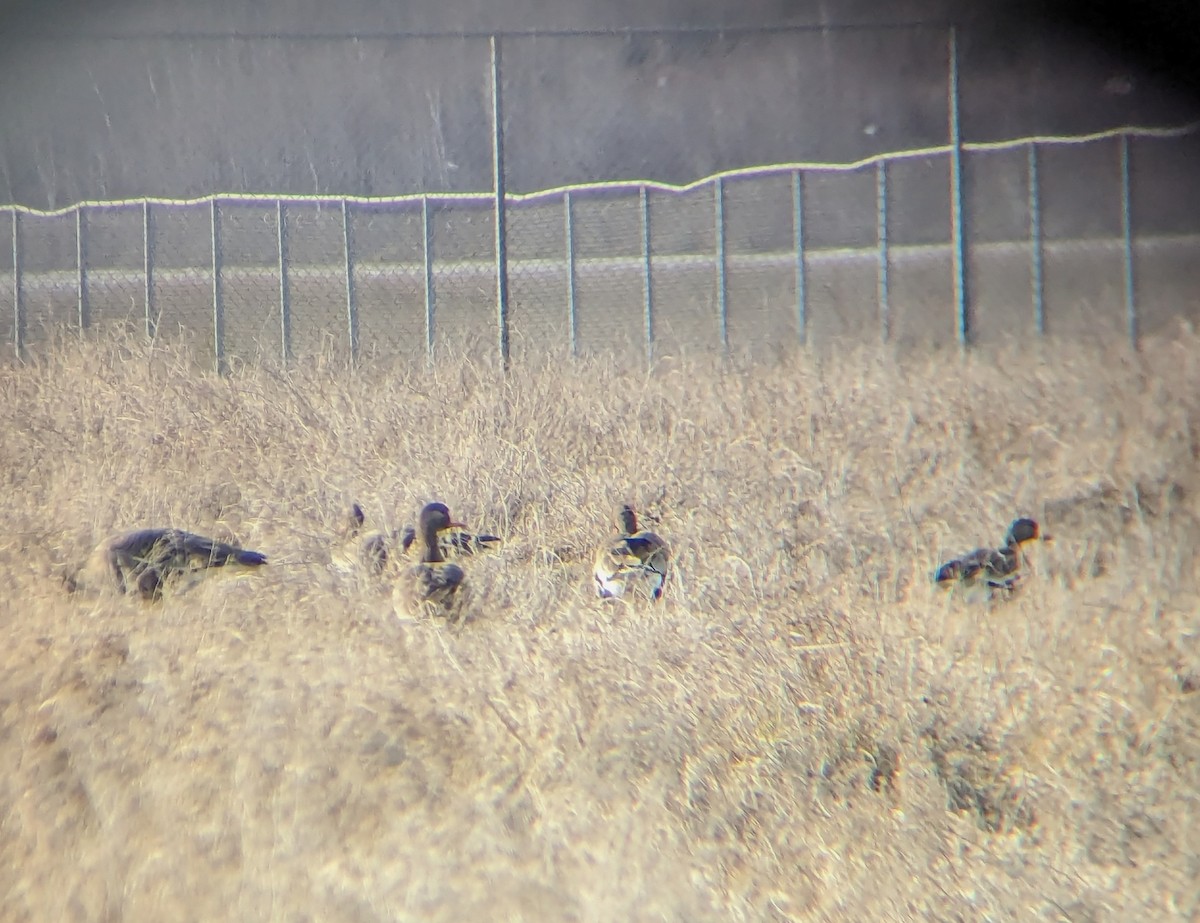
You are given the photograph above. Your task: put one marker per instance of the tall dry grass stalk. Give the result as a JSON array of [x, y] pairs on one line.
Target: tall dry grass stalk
[[804, 728]]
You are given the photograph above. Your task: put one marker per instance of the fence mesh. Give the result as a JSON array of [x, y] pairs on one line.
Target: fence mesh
[[1079, 236], [539, 297]]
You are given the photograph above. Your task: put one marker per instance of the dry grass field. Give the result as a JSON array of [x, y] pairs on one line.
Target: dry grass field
[[803, 728]]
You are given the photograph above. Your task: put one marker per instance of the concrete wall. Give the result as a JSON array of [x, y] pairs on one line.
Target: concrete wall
[[141, 97]]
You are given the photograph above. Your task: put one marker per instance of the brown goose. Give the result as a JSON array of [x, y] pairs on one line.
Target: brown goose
[[632, 557], [433, 582], [142, 561], [995, 568]]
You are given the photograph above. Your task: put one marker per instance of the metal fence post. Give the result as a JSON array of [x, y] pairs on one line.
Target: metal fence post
[[148, 268], [218, 294], [81, 268], [958, 255], [285, 296], [1131, 314], [18, 301], [569, 236], [798, 243], [722, 278], [647, 273], [1036, 256], [427, 259], [881, 203], [498, 182], [351, 306]]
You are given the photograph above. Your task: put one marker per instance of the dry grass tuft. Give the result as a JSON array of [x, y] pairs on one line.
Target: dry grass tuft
[[804, 728]]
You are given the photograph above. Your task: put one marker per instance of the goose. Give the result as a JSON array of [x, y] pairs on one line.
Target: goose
[[142, 561], [995, 568], [631, 557], [432, 582], [360, 548]]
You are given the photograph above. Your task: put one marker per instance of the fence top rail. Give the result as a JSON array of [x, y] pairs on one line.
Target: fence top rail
[[634, 185]]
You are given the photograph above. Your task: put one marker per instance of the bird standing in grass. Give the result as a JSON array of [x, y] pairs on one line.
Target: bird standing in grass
[[143, 561], [433, 582], [993, 568], [632, 557]]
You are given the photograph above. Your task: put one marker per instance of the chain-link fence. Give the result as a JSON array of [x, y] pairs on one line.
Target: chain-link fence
[[1079, 235]]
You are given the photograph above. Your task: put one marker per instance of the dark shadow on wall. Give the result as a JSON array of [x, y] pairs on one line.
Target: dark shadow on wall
[[1159, 39]]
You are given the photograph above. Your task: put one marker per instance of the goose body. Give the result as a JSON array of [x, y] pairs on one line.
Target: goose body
[[142, 561], [994, 568], [633, 557]]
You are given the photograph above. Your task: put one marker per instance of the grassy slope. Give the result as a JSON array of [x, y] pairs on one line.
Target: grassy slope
[[804, 728]]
